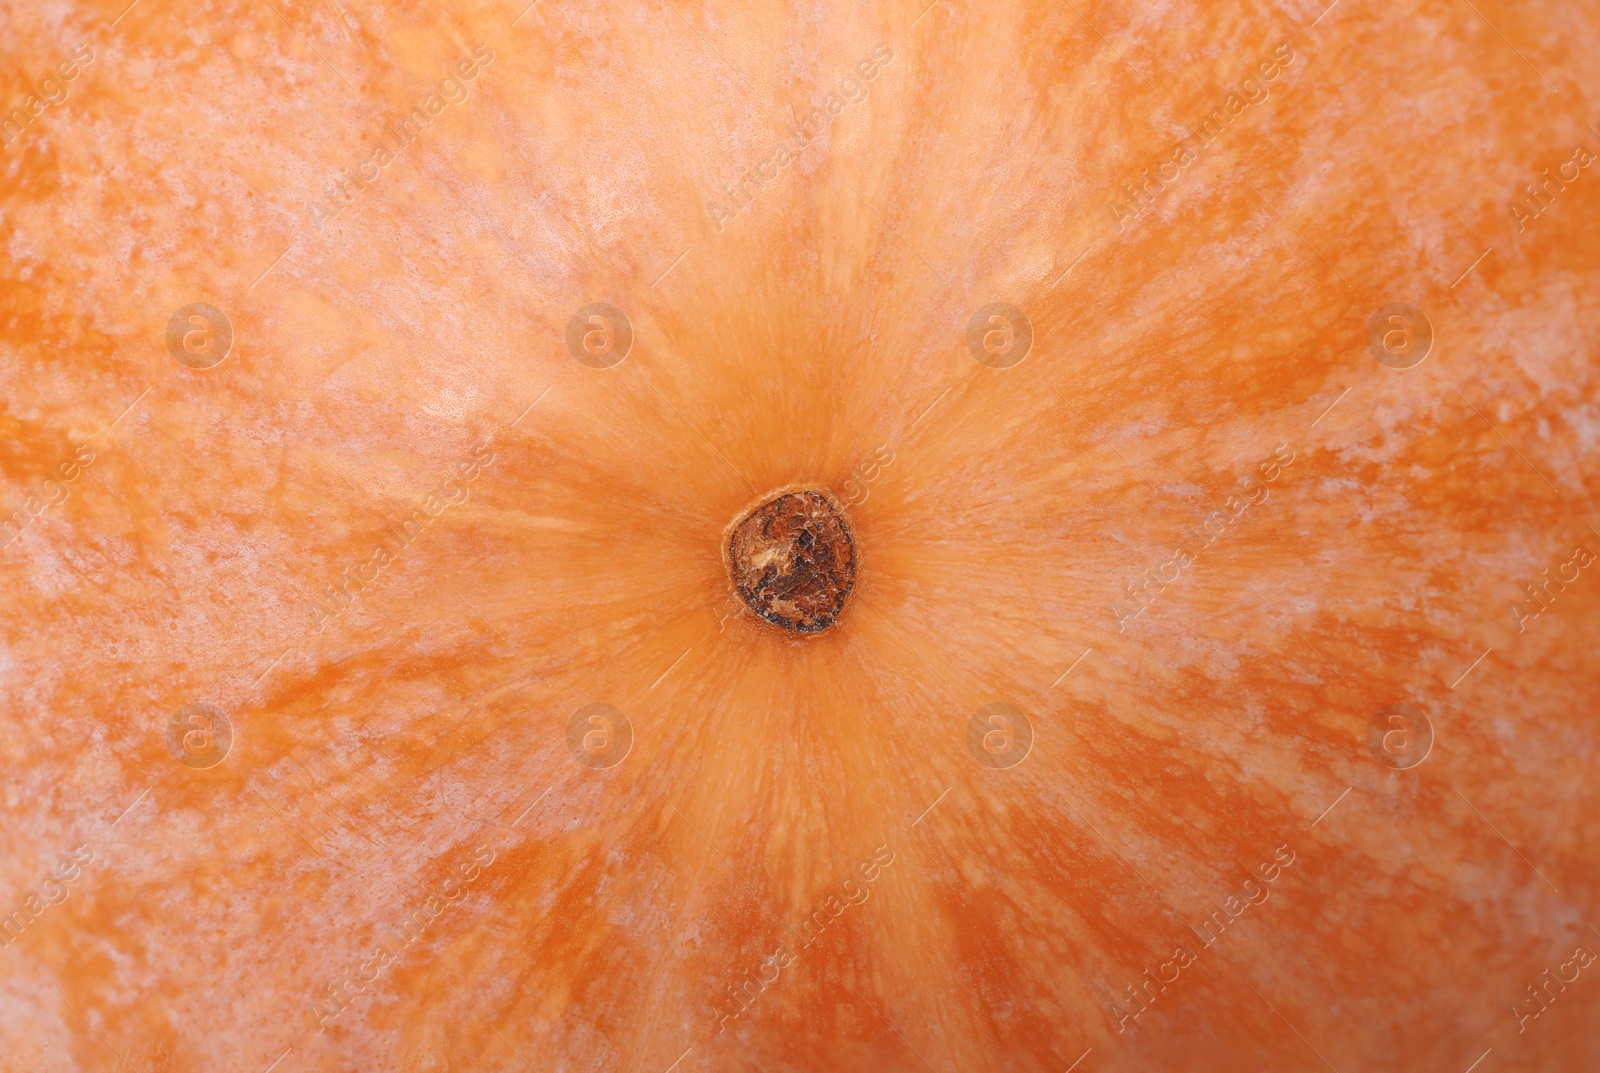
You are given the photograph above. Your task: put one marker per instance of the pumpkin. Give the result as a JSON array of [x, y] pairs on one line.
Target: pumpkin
[[707, 537]]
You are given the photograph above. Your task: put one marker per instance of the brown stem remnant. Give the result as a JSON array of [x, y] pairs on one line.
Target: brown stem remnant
[[793, 561]]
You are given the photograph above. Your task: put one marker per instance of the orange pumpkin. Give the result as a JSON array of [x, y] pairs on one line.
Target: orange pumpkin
[[1172, 651]]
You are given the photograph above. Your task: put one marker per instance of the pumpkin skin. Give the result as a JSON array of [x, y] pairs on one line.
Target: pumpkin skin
[[422, 748]]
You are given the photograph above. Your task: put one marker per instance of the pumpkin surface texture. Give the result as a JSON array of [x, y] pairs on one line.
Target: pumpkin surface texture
[[669, 536]]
